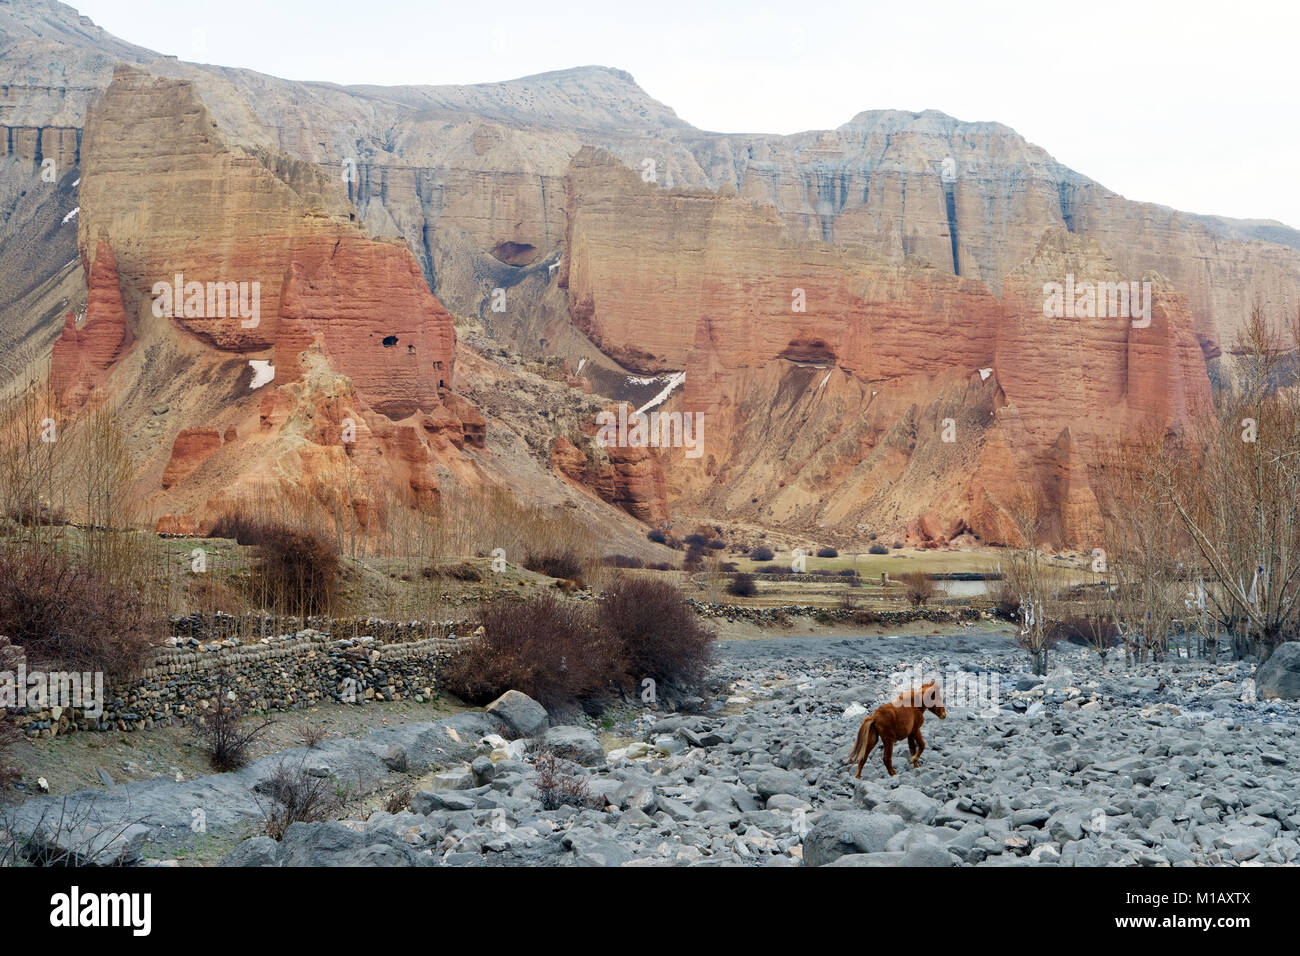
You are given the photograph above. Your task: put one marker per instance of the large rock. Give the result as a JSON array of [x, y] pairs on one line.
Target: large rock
[[277, 259], [84, 844], [1279, 676], [426, 802], [575, 743], [843, 832], [523, 716], [772, 782], [258, 851], [911, 805], [334, 844]]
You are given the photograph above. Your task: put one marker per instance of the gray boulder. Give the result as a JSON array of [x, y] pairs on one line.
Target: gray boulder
[[576, 744], [428, 801], [522, 716], [911, 804], [1279, 676], [259, 851], [333, 844], [884, 858], [395, 758], [772, 782], [927, 853], [843, 832], [87, 844]]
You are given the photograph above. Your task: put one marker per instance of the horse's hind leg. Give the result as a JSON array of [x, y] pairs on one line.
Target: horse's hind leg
[[887, 747], [872, 737], [916, 743]]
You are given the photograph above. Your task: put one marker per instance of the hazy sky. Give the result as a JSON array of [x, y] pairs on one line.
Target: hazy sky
[[1191, 104]]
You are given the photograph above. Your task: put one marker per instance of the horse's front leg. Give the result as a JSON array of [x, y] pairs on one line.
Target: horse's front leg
[[916, 743]]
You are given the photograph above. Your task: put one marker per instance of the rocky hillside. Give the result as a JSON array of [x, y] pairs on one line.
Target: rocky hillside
[[829, 301]]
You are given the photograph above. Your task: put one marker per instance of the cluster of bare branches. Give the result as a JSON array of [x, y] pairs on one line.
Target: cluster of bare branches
[[1204, 525], [228, 729], [294, 794], [1025, 584], [560, 783]]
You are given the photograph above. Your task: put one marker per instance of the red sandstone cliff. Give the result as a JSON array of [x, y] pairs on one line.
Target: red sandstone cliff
[[919, 245]]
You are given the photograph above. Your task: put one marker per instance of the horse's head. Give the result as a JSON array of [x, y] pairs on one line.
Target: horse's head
[[932, 699]]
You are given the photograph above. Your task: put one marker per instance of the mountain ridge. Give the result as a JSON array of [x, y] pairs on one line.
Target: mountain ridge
[[568, 218]]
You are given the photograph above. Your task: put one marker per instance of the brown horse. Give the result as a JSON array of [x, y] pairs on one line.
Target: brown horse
[[894, 721]]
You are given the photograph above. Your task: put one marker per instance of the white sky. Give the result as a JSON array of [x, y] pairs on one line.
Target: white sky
[[1192, 104]]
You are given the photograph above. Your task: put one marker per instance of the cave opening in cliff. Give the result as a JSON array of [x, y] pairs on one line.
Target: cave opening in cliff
[[515, 253], [814, 350], [390, 341]]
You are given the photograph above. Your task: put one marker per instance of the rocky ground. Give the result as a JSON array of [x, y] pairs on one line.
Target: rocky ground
[[1170, 764]]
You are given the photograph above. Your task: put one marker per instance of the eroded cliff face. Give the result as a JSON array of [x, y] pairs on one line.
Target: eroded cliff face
[[828, 375], [204, 252], [858, 313], [160, 182], [83, 356]]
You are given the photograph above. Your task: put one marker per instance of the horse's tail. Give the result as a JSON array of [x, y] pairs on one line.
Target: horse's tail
[[860, 745]]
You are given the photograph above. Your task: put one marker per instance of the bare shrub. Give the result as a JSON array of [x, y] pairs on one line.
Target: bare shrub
[[9, 734], [1144, 547], [464, 571], [827, 553], [1025, 577], [918, 588], [226, 730], [563, 564], [742, 585], [294, 795], [560, 783], [1232, 486], [877, 549], [659, 634], [9, 738], [1006, 598], [310, 734], [762, 553], [399, 800], [62, 613], [695, 556], [298, 567], [548, 648]]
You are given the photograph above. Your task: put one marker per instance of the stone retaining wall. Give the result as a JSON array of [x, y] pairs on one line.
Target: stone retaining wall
[[765, 616], [285, 673]]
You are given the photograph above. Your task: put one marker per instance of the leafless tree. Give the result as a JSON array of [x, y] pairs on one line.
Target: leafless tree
[[1234, 489]]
